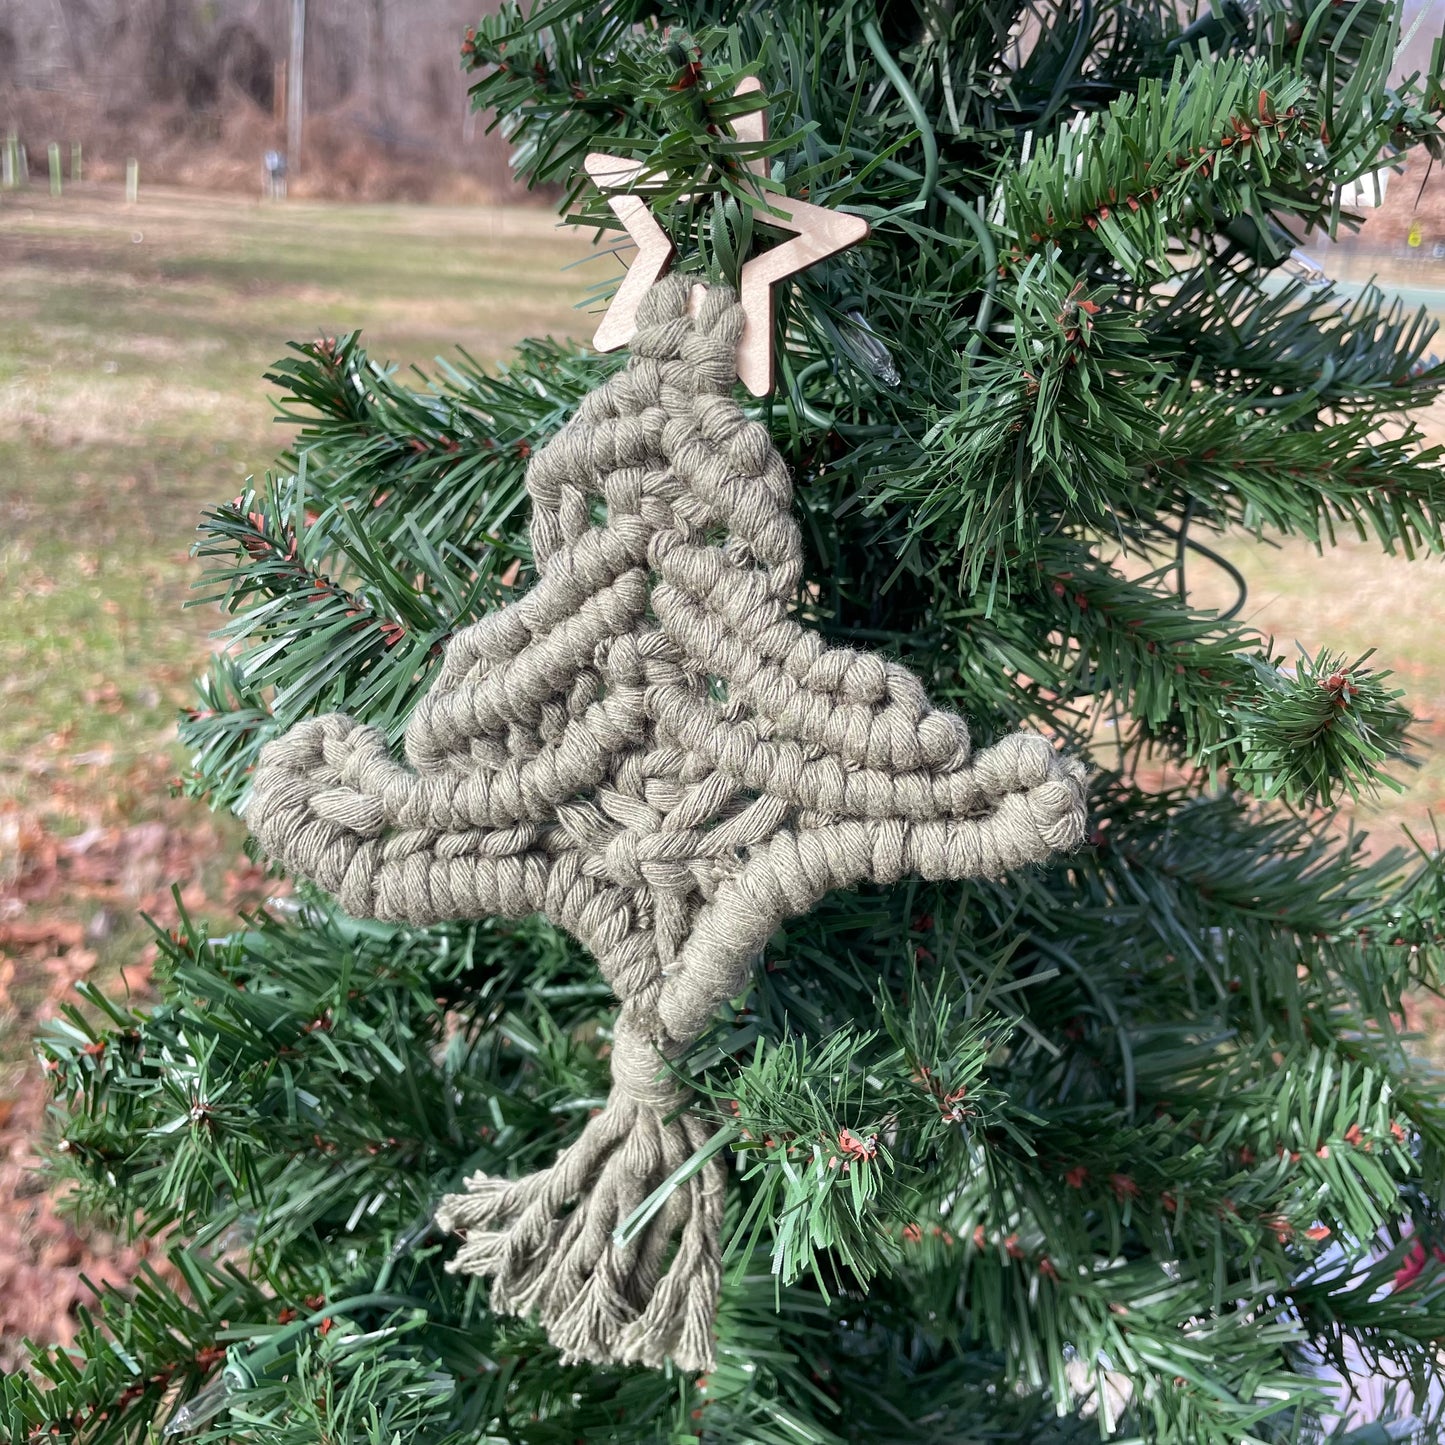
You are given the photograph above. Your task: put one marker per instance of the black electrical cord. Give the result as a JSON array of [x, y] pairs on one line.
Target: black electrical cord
[[1184, 543]]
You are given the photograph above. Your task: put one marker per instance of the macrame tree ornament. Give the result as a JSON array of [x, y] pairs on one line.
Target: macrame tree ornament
[[651, 751]]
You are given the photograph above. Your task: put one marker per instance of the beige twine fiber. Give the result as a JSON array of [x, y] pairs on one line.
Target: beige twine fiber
[[649, 750]]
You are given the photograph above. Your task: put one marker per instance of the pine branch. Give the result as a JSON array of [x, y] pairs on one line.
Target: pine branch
[[1270, 468], [1218, 131], [1302, 343]]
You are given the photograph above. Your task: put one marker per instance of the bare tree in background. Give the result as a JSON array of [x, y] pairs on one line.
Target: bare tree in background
[[170, 78], [376, 63], [77, 19]]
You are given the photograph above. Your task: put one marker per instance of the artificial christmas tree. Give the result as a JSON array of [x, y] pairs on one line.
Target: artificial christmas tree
[[1127, 1143]]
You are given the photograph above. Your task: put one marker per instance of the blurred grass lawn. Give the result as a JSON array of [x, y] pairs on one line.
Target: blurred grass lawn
[[133, 343], [131, 357]]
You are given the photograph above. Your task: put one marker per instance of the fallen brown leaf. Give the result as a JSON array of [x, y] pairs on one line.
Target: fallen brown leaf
[[41, 933]]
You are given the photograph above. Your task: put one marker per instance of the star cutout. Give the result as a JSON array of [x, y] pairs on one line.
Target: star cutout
[[817, 234], [654, 248]]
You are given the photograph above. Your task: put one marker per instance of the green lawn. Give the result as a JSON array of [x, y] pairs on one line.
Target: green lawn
[[132, 351]]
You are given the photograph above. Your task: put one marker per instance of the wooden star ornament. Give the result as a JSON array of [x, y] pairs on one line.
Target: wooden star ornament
[[817, 234]]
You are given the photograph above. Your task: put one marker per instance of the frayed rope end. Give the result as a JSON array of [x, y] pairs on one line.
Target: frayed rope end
[[548, 1242]]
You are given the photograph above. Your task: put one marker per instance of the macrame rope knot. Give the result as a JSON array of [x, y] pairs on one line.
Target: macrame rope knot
[[651, 751]]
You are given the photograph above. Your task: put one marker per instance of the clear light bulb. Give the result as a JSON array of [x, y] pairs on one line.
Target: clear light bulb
[[205, 1405], [868, 351]]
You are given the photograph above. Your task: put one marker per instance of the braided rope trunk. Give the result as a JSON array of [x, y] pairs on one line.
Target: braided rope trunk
[[651, 751]]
